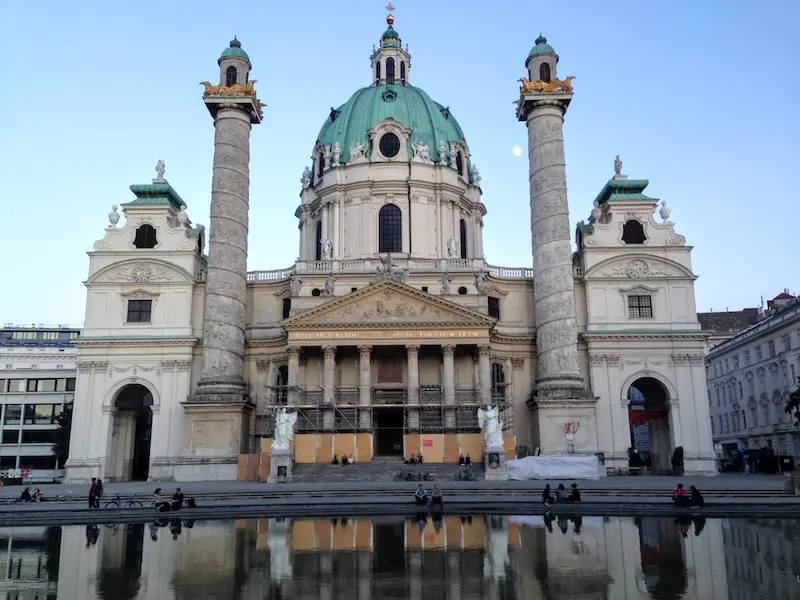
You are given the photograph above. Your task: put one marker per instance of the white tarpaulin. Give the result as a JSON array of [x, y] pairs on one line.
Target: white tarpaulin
[[553, 467]]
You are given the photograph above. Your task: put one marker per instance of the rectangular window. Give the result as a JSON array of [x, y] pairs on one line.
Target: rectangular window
[[16, 386], [39, 436], [8, 462], [736, 363], [747, 357], [719, 397], [787, 342], [744, 420], [494, 307], [287, 307], [51, 335], [10, 436], [771, 346], [37, 462], [712, 425], [42, 385], [41, 414], [2, 385], [640, 307], [139, 311], [759, 354], [727, 365], [794, 374], [13, 414], [70, 384]]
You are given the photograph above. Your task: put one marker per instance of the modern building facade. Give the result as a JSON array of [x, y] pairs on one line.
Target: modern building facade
[[750, 377], [38, 370], [391, 328]]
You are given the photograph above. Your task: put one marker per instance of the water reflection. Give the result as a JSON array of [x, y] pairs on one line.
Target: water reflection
[[423, 557]]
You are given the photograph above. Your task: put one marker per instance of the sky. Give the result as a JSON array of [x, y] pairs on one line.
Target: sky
[[698, 97]]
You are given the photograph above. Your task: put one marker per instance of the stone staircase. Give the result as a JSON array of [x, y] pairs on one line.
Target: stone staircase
[[381, 469]]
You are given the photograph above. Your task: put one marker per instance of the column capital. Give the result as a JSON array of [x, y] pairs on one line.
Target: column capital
[[484, 349], [294, 351], [412, 348], [330, 351], [262, 364], [448, 349], [365, 350]]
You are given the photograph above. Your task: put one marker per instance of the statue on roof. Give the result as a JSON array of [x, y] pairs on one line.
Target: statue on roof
[[306, 178], [617, 166], [160, 169]]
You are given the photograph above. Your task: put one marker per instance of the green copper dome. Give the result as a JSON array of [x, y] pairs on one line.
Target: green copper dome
[[390, 33], [234, 51], [429, 122], [541, 47]]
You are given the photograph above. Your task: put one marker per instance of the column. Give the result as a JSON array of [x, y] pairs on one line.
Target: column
[[293, 376], [328, 387], [337, 250], [412, 391], [449, 385], [485, 377], [553, 283], [364, 387], [324, 217]]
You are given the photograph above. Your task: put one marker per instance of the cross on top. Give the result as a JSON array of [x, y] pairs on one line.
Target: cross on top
[[390, 7]]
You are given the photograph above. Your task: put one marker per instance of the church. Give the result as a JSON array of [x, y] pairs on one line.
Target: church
[[391, 329]]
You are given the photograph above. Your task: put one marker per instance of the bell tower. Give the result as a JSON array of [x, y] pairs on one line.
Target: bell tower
[[219, 410], [390, 63]]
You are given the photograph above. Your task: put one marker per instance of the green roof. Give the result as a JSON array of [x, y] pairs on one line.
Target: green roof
[[156, 193], [390, 33], [234, 51], [541, 47], [624, 190], [429, 121]]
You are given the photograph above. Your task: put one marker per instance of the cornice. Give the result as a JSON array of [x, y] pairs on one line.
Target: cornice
[[390, 325], [122, 341], [267, 343], [513, 339], [684, 336]]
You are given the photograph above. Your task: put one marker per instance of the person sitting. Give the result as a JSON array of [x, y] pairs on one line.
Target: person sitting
[[679, 497], [420, 496], [467, 460], [412, 460], [350, 460], [419, 458], [547, 495], [695, 498], [344, 460], [436, 496], [460, 460], [25, 496], [575, 493], [561, 493], [177, 499], [157, 503], [190, 503], [335, 460], [37, 495]]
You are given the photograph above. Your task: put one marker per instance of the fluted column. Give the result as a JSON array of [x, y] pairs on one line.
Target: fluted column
[[449, 385], [553, 283], [364, 386], [485, 374], [412, 386], [328, 387], [293, 375]]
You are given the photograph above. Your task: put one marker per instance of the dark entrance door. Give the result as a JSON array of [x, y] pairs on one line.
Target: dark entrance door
[[141, 444], [389, 431]]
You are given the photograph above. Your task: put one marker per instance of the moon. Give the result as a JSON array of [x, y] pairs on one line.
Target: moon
[[517, 151]]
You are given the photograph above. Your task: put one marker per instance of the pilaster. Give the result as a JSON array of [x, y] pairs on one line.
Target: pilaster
[[412, 358], [485, 374], [292, 375], [364, 386], [328, 387], [449, 385]]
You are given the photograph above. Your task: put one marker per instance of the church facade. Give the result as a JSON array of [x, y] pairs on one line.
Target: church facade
[[391, 329]]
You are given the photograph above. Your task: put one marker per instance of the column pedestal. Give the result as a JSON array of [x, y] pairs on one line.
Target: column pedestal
[[494, 459], [280, 466]]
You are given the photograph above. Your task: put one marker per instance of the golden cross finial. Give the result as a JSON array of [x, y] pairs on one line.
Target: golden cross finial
[[389, 7]]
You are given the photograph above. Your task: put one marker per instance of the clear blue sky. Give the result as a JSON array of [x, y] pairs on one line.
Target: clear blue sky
[[698, 97]]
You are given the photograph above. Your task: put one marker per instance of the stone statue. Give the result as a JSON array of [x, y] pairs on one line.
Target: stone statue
[[326, 157], [294, 285], [327, 248], [284, 429], [453, 156], [337, 154], [330, 285], [443, 153], [489, 421], [113, 216], [306, 178], [446, 279], [476, 176], [183, 218], [160, 169], [597, 212], [480, 282], [665, 211], [617, 166], [357, 151], [452, 248], [387, 270], [422, 153]]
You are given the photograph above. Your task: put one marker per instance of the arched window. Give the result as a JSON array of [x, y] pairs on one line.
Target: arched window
[[145, 237], [378, 71], [498, 383], [318, 242], [544, 72], [230, 76], [281, 385], [389, 70], [463, 232], [402, 71], [633, 232], [459, 164], [321, 164], [390, 229]]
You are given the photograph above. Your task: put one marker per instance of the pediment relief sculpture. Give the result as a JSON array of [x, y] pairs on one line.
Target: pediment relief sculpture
[[639, 268], [140, 272]]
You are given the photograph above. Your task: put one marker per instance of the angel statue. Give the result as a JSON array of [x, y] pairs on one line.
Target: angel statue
[[489, 421], [284, 429], [160, 169]]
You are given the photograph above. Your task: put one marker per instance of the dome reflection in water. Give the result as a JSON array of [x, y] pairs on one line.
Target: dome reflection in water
[[419, 556]]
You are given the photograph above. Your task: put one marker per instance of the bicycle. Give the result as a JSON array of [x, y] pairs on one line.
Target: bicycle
[[117, 502]]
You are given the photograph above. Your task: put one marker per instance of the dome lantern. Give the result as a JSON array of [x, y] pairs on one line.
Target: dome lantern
[[234, 65], [542, 61], [390, 63]]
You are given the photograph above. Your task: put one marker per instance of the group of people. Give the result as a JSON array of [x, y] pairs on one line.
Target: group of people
[[28, 496], [692, 499], [346, 460], [176, 503], [421, 496], [95, 492], [414, 459], [561, 495]]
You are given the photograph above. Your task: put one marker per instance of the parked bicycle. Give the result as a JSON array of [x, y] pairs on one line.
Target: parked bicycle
[[117, 502]]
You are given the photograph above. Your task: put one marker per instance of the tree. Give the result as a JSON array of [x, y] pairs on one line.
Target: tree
[[793, 406], [61, 445]]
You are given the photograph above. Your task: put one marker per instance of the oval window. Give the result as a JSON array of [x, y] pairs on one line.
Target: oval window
[[389, 145]]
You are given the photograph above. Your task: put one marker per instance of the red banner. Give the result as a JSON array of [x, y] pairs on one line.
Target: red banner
[[642, 417]]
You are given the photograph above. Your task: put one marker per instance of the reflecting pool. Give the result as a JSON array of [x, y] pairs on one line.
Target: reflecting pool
[[499, 558]]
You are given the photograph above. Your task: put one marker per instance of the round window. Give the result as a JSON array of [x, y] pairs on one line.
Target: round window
[[389, 145]]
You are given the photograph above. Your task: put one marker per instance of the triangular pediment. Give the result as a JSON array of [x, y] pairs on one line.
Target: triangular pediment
[[388, 302]]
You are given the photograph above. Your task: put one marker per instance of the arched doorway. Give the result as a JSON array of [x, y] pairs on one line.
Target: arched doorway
[[648, 415], [130, 443]]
